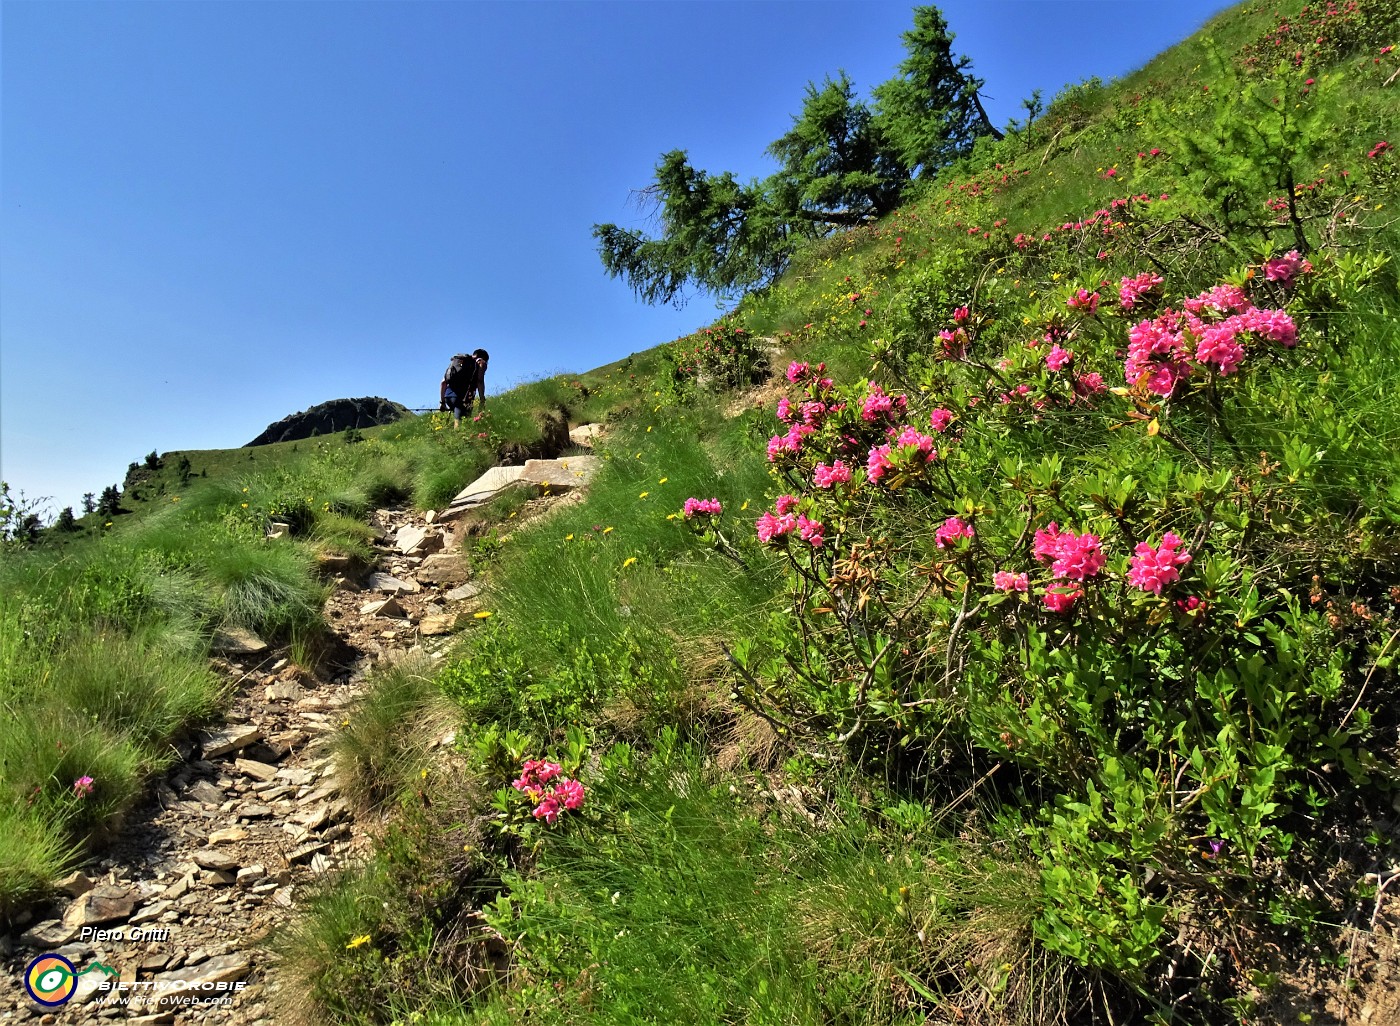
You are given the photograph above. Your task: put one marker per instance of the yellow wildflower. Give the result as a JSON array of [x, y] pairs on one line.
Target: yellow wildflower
[[568, 537], [482, 615], [359, 941], [607, 530], [643, 495], [628, 562]]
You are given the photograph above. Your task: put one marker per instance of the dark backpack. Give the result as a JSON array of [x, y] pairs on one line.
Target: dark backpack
[[461, 375]]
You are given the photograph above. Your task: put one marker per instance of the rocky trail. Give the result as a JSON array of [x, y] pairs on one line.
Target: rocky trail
[[181, 902]]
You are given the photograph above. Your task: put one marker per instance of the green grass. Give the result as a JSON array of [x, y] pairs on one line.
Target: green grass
[[907, 884]]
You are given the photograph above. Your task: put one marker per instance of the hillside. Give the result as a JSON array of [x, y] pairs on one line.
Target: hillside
[[993, 620]]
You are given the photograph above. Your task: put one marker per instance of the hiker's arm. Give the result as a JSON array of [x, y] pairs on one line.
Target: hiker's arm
[[442, 395], [481, 387]]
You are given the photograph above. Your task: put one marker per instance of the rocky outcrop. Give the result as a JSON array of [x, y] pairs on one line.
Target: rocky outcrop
[[328, 418]]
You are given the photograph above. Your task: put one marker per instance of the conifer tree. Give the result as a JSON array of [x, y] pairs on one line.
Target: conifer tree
[[931, 112]]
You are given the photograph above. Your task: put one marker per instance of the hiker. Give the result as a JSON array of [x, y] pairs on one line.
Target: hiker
[[463, 383]]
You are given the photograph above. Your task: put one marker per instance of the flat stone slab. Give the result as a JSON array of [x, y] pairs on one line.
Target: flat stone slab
[[230, 739], [442, 568], [560, 475], [199, 979], [383, 607], [103, 904], [388, 582], [584, 434], [485, 488], [466, 591], [237, 641]]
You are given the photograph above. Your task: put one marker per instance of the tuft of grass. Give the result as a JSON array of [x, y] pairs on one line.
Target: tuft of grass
[[382, 749]]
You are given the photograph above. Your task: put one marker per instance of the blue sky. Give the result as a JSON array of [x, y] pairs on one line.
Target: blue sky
[[214, 214]]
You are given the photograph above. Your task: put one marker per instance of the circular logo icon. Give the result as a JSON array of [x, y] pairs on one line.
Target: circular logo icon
[[51, 980]]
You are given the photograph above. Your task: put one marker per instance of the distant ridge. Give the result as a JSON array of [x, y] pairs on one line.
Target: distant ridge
[[327, 418]]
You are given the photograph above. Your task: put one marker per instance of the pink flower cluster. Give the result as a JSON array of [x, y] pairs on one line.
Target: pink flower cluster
[[82, 787], [824, 476], [952, 344], [1163, 350], [939, 420], [907, 445], [1286, 268], [789, 444], [772, 527], [1072, 558], [951, 531], [780, 524], [1135, 289], [1221, 299], [707, 507], [550, 801], [1057, 359], [1004, 580], [1086, 301], [878, 463], [880, 406], [1152, 569], [1088, 384]]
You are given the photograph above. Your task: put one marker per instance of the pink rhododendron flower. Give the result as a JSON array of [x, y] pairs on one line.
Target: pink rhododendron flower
[[548, 809], [879, 406], [790, 443], [878, 462], [824, 476], [82, 787], [1222, 299], [1004, 580], [770, 526], [785, 410], [1088, 384], [1079, 557], [810, 531], [952, 529], [1152, 569], [1058, 359], [785, 504], [1274, 325], [1287, 267], [1132, 290], [953, 343], [813, 412], [1219, 348], [1085, 300], [939, 419], [571, 793], [1059, 599], [710, 507], [798, 371], [960, 315], [1157, 353], [1072, 556], [910, 436]]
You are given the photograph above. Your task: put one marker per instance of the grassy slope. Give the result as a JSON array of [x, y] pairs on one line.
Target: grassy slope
[[698, 885], [692, 888]]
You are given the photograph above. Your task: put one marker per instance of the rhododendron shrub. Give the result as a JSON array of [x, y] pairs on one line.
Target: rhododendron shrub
[[1038, 582]]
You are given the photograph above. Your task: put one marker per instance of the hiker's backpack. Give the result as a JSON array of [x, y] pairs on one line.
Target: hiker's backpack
[[461, 375]]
